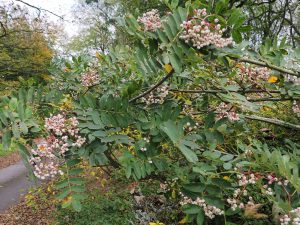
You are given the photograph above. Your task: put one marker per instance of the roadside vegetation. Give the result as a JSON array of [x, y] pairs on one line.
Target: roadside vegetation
[[159, 113]]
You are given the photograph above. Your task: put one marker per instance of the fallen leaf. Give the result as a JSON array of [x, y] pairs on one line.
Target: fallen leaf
[[251, 212]]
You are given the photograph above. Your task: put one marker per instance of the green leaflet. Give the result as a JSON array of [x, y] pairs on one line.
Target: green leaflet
[[175, 133]]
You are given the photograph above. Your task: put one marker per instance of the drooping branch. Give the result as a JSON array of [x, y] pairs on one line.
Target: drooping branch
[[153, 87], [224, 91], [293, 25], [273, 99], [266, 64], [40, 9], [274, 121]]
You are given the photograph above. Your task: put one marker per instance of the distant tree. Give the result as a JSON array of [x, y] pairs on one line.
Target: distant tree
[[24, 43], [96, 22], [269, 18]]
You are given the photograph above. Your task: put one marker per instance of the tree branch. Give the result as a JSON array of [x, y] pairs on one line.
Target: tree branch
[[152, 88], [274, 121], [272, 99], [40, 9], [266, 64], [224, 91], [293, 26]]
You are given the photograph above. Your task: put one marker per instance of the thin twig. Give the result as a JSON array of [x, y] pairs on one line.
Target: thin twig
[[272, 99], [266, 64], [273, 121], [153, 87], [222, 91], [40, 9]]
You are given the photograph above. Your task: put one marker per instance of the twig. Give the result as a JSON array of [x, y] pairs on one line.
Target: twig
[[40, 9], [265, 64], [272, 99], [222, 91], [273, 121], [153, 87]]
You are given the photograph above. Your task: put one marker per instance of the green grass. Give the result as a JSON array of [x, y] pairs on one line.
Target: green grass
[[3, 152], [100, 209]]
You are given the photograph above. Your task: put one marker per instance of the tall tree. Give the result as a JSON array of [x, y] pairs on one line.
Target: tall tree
[[24, 43]]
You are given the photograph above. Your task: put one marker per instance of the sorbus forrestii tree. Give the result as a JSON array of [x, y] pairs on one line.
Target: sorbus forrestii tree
[[190, 102]]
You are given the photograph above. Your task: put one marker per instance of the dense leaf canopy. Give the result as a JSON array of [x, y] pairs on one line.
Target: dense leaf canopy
[[197, 95]]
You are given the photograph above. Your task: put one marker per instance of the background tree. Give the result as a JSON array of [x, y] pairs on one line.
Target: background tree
[[271, 18], [97, 26], [25, 43]]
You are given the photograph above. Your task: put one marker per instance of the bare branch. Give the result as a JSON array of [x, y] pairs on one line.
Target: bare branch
[[224, 91], [40, 9], [153, 87], [273, 99], [274, 121], [266, 64]]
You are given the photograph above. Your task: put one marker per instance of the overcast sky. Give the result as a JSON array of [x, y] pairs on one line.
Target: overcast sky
[[60, 7]]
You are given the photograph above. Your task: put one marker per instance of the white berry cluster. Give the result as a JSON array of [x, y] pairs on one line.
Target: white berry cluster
[[209, 210], [143, 149], [249, 180], [285, 220], [252, 74], [164, 187], [238, 199], [225, 110], [270, 180], [243, 180], [158, 97], [90, 78], [147, 140], [200, 32], [248, 153], [63, 135], [151, 20], [292, 218], [296, 108], [234, 204], [189, 110], [188, 127]]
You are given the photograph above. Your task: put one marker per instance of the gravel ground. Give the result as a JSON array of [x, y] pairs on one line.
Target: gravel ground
[[8, 160]]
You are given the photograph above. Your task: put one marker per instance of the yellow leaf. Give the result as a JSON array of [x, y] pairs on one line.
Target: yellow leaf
[[251, 212], [184, 220], [173, 194], [265, 108], [93, 174], [272, 79], [103, 183], [69, 199], [239, 66], [226, 178], [99, 56], [168, 68], [46, 77]]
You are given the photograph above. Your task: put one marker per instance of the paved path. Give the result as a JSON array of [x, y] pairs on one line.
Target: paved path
[[14, 183]]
